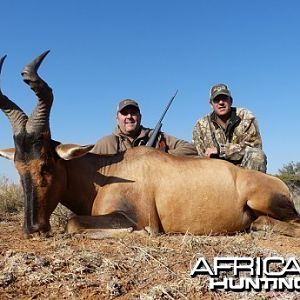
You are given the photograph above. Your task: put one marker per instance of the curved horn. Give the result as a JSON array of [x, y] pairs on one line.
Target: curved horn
[[1, 62], [39, 119], [14, 113], [29, 72]]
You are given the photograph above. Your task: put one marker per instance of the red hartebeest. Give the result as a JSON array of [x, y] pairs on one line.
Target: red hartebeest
[[141, 188]]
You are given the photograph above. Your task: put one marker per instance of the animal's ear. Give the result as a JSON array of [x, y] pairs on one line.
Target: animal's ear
[[70, 151], [8, 153]]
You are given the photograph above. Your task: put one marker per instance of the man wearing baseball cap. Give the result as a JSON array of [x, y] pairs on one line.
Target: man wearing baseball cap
[[229, 133], [130, 133]]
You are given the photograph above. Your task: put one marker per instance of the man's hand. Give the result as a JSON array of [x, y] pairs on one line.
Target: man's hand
[[210, 152]]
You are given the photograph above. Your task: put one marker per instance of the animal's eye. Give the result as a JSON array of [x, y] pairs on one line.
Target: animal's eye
[[45, 169]]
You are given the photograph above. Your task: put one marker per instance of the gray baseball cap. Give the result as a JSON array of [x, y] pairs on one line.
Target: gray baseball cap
[[219, 89], [127, 102]]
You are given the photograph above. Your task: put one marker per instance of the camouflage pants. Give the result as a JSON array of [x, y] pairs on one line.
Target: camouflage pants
[[254, 159]]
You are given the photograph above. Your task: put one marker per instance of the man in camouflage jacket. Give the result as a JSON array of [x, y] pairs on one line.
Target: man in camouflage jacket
[[229, 133], [130, 133]]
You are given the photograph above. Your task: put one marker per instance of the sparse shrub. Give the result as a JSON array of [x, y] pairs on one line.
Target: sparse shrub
[[11, 196], [290, 174]]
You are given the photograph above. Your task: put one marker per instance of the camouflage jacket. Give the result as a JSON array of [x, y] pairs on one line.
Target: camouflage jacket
[[118, 142], [241, 131]]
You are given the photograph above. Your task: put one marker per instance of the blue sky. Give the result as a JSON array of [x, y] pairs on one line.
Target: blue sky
[[105, 51]]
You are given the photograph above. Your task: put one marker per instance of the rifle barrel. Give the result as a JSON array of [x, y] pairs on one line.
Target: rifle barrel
[[169, 104], [158, 126]]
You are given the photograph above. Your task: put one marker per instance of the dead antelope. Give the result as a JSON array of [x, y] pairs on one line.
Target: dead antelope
[[141, 188]]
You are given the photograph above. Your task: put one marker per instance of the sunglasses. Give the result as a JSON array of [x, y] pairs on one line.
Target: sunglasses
[[221, 98]]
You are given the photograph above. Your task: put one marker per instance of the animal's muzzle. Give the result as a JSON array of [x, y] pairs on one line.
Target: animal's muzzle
[[33, 222]]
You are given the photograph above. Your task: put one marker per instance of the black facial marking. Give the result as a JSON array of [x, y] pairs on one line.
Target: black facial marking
[[30, 203], [28, 146]]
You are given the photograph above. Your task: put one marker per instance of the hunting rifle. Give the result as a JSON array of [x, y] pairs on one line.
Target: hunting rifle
[[152, 139]]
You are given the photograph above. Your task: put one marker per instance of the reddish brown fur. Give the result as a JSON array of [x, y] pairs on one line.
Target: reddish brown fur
[[172, 194]]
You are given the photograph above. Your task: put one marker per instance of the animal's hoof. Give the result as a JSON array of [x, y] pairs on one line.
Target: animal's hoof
[[130, 229]]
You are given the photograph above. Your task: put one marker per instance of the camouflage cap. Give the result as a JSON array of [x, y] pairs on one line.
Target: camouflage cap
[[127, 102], [219, 89]]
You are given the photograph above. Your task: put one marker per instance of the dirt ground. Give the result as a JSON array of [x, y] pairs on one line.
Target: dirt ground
[[131, 267]]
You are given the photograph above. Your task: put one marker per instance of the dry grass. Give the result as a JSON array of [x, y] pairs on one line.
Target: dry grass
[[11, 196], [131, 267]]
